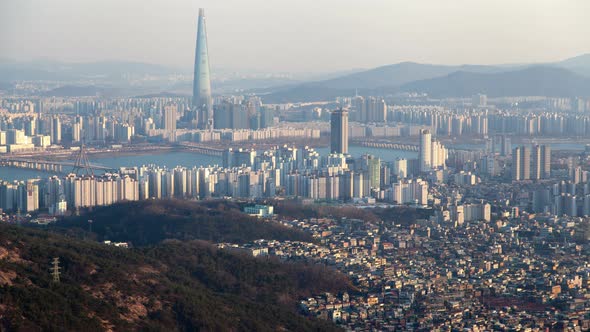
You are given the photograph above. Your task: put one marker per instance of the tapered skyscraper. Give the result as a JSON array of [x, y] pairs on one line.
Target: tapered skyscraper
[[202, 101]]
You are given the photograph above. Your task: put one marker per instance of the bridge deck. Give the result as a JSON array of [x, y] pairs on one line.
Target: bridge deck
[[53, 162]]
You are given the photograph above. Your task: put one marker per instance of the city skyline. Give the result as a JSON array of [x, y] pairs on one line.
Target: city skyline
[[409, 196], [289, 37]]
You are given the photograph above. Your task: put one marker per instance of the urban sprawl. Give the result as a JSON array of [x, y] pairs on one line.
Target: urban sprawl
[[501, 187]]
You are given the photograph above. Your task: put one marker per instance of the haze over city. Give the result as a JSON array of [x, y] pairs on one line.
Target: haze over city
[[294, 166], [297, 36]]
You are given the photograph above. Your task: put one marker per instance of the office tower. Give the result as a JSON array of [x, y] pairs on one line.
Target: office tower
[[55, 130], [339, 131], [425, 150], [372, 165], [170, 118], [202, 100], [521, 163]]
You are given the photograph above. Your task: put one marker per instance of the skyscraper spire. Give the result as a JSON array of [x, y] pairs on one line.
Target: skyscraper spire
[[202, 101]]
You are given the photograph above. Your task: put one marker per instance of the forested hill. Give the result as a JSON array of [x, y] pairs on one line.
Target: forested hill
[[172, 286], [150, 222]]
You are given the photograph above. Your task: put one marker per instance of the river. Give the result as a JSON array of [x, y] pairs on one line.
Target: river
[[187, 159]]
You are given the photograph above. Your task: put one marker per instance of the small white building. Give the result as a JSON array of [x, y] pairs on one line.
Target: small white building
[[262, 211]]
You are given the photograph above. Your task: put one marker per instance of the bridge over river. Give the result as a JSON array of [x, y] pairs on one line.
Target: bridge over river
[[47, 165]]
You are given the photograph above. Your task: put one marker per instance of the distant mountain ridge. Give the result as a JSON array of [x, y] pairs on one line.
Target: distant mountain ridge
[[568, 79], [579, 64], [577, 61], [395, 75], [53, 70], [531, 81], [76, 91], [411, 76]]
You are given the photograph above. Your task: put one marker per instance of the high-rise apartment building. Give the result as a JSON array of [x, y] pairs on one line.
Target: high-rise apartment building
[[541, 162], [439, 155], [521, 163], [170, 118], [410, 191], [400, 168], [425, 151]]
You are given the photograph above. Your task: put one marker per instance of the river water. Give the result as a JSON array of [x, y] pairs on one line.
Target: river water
[[187, 159], [190, 159]]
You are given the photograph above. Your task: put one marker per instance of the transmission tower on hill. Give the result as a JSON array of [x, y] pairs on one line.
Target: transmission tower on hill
[[82, 165], [55, 273]]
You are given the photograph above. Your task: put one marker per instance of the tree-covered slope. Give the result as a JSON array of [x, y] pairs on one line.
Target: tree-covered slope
[[149, 222], [173, 286]]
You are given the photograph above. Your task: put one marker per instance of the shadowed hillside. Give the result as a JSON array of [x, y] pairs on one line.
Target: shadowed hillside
[[150, 222], [173, 286]]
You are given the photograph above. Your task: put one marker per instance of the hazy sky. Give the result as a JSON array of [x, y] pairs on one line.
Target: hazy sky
[[297, 35]]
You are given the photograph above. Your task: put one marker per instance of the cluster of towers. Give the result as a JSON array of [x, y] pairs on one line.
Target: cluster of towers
[[433, 154], [531, 166]]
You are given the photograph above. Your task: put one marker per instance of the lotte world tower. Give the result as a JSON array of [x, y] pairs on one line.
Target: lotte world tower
[[202, 101]]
